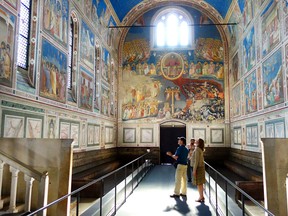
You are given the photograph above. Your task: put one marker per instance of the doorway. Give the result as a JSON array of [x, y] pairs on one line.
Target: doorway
[[169, 141]]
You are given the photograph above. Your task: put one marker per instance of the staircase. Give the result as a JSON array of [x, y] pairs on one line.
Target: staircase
[[10, 203], [30, 169]]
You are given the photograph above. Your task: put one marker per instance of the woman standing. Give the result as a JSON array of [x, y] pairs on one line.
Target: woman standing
[[199, 168], [191, 148]]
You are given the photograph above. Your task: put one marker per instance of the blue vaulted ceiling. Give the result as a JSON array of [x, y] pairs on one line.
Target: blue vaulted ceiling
[[122, 7]]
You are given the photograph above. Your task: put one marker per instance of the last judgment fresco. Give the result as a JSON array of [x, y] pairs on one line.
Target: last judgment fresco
[[183, 84]]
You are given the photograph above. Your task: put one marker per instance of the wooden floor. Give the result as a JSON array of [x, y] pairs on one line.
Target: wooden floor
[[152, 197]]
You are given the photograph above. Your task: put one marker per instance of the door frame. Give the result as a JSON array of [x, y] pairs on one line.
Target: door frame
[[170, 124]]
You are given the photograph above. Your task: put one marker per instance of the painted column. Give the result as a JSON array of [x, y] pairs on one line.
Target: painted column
[[29, 183], [13, 192]]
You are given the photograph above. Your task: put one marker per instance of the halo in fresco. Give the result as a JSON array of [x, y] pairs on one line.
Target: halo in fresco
[[53, 73], [172, 66]]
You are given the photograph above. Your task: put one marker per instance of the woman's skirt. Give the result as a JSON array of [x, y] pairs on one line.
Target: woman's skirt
[[200, 176]]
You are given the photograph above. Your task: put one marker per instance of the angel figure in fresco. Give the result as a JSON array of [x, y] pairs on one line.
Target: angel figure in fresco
[[205, 68], [198, 68], [211, 68], [220, 72], [192, 69]]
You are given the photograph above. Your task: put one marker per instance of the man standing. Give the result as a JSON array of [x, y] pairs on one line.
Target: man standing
[[180, 156]]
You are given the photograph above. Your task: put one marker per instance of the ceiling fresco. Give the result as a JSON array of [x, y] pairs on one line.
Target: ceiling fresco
[[121, 7]]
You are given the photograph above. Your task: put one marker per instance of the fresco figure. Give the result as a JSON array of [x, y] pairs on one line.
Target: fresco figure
[[2, 54], [250, 93], [53, 73], [192, 69], [51, 129], [7, 37], [198, 74], [211, 68], [7, 62], [273, 80], [56, 19], [249, 50], [248, 12], [270, 29], [199, 68]]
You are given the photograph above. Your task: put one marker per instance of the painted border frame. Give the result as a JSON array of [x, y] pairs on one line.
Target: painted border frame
[[109, 138], [252, 143], [129, 135], [146, 139], [70, 124], [236, 130], [217, 138], [273, 124], [199, 131], [29, 127]]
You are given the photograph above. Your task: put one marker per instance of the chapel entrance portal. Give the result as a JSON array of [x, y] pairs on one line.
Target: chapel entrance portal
[[168, 140]]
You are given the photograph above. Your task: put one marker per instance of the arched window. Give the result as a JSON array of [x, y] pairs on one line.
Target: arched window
[[24, 34], [173, 29], [26, 44], [72, 55]]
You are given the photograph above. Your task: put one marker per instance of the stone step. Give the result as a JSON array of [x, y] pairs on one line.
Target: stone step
[[20, 207]]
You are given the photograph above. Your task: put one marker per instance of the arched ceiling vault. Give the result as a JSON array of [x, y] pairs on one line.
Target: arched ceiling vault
[[122, 8], [202, 6]]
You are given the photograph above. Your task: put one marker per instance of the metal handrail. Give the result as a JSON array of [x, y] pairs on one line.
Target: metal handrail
[[243, 193], [77, 191]]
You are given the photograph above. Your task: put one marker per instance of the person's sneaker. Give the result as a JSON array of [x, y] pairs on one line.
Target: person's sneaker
[[183, 195], [174, 196]]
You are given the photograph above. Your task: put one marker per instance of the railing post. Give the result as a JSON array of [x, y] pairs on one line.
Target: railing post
[[1, 182], [243, 204], [78, 203], [29, 183], [216, 194], [209, 170], [43, 193], [115, 195], [132, 176], [125, 189], [138, 172], [226, 197], [101, 196], [13, 192]]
